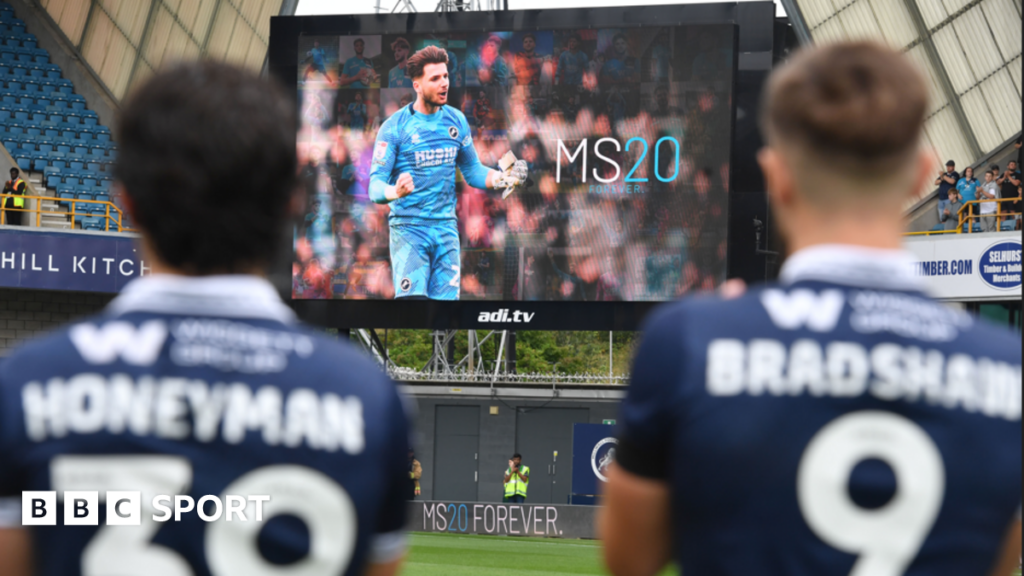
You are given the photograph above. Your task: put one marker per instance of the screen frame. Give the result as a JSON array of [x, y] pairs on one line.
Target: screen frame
[[283, 59]]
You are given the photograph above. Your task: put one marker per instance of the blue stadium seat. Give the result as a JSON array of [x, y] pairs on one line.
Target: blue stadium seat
[[51, 133], [77, 105], [72, 180], [53, 74], [88, 121], [25, 163], [53, 181], [73, 119], [40, 164], [76, 165], [103, 137], [45, 148], [90, 182], [66, 195], [93, 223]]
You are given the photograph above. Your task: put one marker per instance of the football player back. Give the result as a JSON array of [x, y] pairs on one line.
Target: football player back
[[838, 421], [197, 382]]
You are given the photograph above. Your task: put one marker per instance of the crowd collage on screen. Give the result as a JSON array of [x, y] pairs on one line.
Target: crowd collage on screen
[[647, 219]]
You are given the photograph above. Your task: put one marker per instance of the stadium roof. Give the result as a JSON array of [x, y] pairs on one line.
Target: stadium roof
[[125, 40], [970, 50]]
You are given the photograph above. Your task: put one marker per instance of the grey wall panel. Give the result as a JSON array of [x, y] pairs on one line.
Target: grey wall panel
[[456, 448], [497, 440]]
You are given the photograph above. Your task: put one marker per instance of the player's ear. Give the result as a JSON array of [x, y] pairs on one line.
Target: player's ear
[[778, 178], [925, 169]]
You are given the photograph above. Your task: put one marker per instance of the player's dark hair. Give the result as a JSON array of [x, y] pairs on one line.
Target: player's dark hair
[[619, 35], [517, 455], [428, 55], [207, 161], [858, 106], [529, 35]]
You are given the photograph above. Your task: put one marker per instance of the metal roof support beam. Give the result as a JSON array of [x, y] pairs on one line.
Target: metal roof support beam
[[142, 43], [796, 20], [943, 78]]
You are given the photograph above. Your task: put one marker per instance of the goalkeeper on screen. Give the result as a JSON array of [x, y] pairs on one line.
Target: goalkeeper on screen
[[414, 162]]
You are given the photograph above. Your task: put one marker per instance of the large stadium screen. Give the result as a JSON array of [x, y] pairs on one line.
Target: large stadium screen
[[626, 133]]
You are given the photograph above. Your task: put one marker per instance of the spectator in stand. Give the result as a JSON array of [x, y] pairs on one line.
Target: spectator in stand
[[967, 187], [950, 215], [945, 181], [1008, 184], [15, 186], [988, 191]]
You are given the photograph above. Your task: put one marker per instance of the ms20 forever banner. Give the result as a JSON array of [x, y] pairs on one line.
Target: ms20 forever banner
[[74, 261], [502, 519]]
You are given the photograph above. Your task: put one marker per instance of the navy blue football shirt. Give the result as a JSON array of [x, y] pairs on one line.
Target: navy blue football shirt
[[206, 386], [837, 422]]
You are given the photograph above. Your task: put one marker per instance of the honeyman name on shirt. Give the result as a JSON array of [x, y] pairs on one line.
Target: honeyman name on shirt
[[178, 408]]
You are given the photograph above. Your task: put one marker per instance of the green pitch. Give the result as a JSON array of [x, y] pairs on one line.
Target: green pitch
[[458, 555]]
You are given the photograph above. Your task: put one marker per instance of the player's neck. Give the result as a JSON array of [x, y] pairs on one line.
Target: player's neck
[[885, 234], [423, 107]]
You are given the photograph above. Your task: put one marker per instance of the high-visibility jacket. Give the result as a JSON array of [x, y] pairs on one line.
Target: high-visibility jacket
[[13, 185], [516, 486]]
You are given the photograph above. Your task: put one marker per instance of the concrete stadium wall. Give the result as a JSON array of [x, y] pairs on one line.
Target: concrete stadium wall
[[27, 314], [497, 437]]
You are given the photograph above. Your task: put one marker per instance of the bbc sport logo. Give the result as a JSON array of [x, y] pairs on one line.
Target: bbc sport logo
[[124, 508]]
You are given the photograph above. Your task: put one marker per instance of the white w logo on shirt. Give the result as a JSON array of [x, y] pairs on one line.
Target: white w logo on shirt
[[803, 307], [137, 346]]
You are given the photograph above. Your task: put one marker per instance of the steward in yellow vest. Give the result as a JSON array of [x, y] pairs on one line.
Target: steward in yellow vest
[[517, 480], [13, 186]]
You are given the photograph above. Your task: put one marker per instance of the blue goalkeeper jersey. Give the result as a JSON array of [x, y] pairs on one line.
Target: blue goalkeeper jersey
[[205, 386], [429, 147], [836, 422]]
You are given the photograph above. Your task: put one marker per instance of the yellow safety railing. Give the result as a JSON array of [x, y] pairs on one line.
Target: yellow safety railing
[[112, 215], [964, 216]]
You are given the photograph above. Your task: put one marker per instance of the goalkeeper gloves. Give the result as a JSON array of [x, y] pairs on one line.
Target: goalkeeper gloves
[[513, 174]]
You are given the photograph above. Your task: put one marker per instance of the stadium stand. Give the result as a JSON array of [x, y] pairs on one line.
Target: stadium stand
[[52, 134]]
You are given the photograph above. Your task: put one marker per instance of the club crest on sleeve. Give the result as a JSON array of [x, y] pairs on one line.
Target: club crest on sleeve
[[381, 151], [453, 132], [467, 140], [405, 284]]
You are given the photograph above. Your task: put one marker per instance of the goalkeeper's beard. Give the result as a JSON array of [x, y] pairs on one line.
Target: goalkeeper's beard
[[434, 101]]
